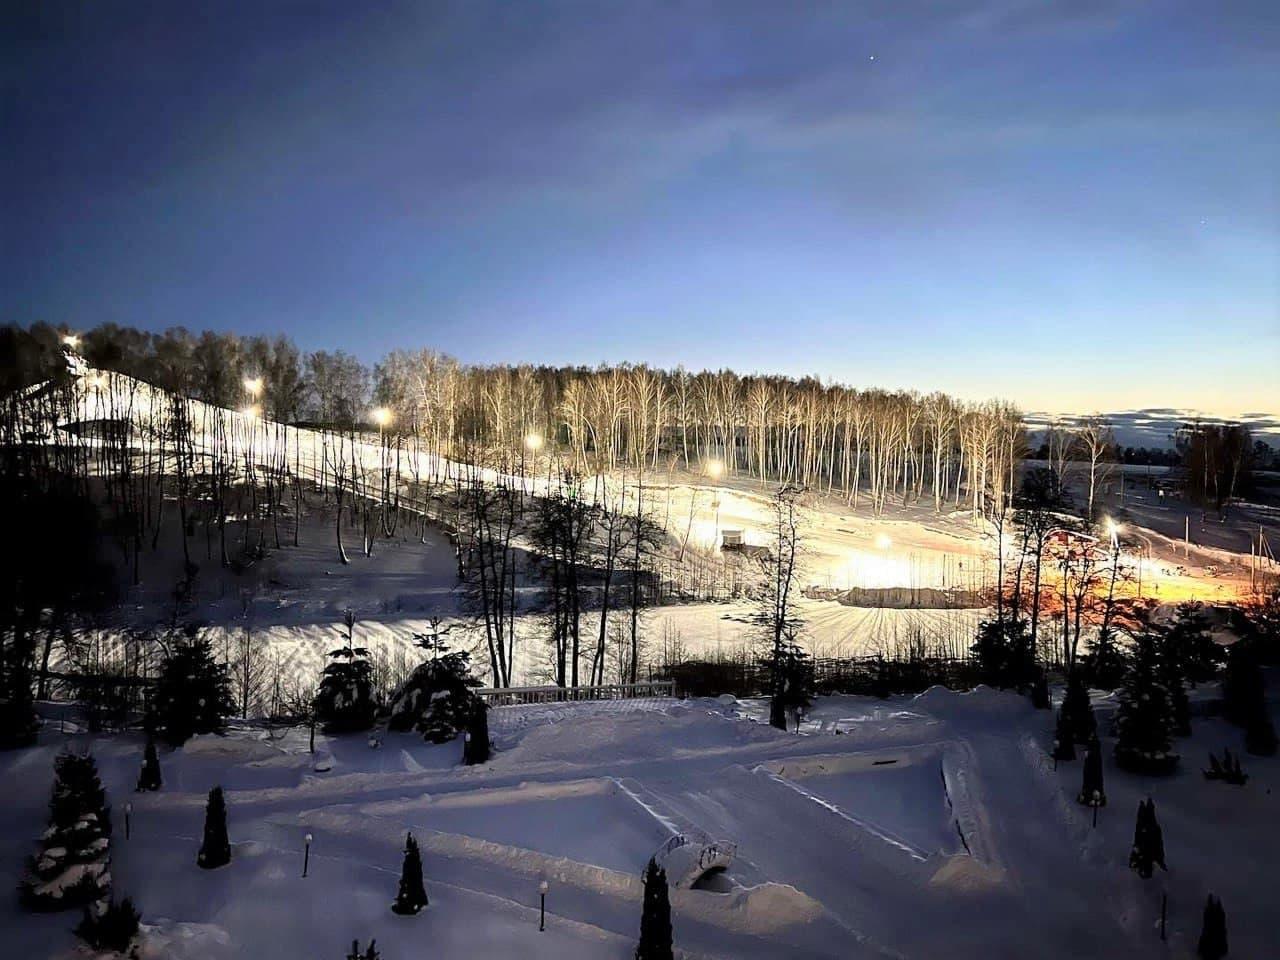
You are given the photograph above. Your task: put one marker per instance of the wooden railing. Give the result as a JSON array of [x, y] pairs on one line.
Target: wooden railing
[[509, 696]]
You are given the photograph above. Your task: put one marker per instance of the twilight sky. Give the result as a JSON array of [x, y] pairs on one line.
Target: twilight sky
[[1072, 206]]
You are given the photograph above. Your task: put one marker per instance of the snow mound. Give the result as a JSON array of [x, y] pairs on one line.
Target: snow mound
[[756, 910], [167, 939], [965, 874], [213, 746], [981, 698], [633, 737]]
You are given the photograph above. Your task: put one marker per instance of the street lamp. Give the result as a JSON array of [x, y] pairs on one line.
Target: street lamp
[[252, 411], [715, 469], [533, 441], [128, 814], [70, 340], [543, 887], [381, 416], [253, 386], [306, 854]]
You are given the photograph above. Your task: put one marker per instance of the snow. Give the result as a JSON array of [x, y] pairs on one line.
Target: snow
[[848, 837]]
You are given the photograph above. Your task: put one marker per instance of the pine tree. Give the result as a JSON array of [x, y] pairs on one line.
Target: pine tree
[[792, 671], [111, 928], [1064, 747], [1078, 709], [412, 895], [436, 699], [344, 702], [73, 867], [1148, 841], [215, 851], [655, 920], [1092, 793], [370, 954], [1213, 935], [1193, 646], [1105, 661], [1145, 717], [1244, 698], [1040, 692], [193, 692], [149, 778], [475, 748]]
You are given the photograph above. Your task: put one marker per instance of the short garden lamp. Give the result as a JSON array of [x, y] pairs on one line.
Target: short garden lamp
[[128, 813], [543, 887], [306, 853]]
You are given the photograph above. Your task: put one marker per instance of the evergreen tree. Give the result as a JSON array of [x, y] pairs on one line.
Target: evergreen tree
[[193, 692], [1213, 935], [792, 672], [1192, 645], [1244, 698], [1145, 717], [370, 954], [1040, 692], [215, 851], [412, 895], [1092, 793], [73, 867], [1105, 662], [475, 749], [1078, 710], [1148, 841], [655, 920], [344, 703], [111, 928], [149, 778], [1064, 746], [437, 698]]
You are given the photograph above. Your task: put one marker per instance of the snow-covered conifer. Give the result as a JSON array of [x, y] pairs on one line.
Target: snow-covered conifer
[[73, 866], [215, 850], [655, 920], [149, 778], [412, 895]]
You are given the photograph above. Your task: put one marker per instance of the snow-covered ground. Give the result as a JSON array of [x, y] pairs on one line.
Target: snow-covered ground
[[914, 827]]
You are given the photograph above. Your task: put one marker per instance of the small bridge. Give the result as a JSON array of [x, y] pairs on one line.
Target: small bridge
[[688, 857]]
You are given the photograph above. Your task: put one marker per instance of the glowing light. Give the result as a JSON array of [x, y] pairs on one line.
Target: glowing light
[[253, 385], [883, 541], [714, 469], [97, 381], [381, 416], [253, 411], [533, 441], [71, 340]]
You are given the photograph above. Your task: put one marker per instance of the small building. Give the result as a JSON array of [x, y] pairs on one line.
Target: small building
[[732, 539]]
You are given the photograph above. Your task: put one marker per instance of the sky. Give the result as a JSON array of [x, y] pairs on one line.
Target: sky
[[1074, 207]]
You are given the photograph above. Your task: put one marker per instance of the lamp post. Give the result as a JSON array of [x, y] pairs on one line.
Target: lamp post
[[128, 812], [306, 854], [543, 887], [70, 341]]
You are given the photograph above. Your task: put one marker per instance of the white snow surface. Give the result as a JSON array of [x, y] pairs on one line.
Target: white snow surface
[[914, 827]]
